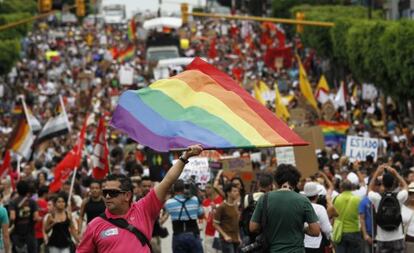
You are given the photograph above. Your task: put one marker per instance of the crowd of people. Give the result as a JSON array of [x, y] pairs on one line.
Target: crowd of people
[[343, 206]]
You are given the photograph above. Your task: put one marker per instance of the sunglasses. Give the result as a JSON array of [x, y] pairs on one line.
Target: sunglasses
[[113, 193]]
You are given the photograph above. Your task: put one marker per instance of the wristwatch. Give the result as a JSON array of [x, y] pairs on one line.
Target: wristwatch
[[183, 159]]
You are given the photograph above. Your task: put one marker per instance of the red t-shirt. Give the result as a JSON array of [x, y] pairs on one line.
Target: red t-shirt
[[210, 206], [42, 212]]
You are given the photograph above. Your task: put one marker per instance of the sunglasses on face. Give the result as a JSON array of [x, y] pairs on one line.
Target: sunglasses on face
[[113, 193]]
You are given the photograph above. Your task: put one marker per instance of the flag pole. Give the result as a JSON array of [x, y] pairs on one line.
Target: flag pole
[[72, 184], [64, 112]]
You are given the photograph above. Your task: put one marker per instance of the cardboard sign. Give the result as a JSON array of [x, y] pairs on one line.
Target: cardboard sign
[[328, 110], [197, 167], [358, 148], [305, 157], [318, 139], [298, 115], [285, 155], [239, 167]]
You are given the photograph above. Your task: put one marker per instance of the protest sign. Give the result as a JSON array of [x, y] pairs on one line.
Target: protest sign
[[305, 156], [197, 167], [369, 92], [126, 75], [285, 155], [358, 148], [316, 133], [239, 167]]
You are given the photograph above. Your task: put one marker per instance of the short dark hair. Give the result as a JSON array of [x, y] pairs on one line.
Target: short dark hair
[[179, 186], [42, 190], [287, 173], [126, 183], [95, 181], [265, 180], [347, 185], [388, 180], [145, 178], [22, 188], [228, 187]]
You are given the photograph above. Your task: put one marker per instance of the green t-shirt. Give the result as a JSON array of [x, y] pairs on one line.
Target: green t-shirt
[[286, 214], [4, 219], [346, 205]]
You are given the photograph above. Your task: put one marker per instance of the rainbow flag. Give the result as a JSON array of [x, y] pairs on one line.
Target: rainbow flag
[[132, 30], [200, 105], [334, 132], [127, 54]]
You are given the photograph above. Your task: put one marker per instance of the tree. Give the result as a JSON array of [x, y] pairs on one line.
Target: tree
[[9, 54]]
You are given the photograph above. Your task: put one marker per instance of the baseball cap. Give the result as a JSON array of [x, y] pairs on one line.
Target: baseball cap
[[311, 189], [353, 178]]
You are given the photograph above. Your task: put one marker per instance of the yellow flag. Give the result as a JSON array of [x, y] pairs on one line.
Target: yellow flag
[[281, 110], [305, 86], [323, 84], [259, 89]]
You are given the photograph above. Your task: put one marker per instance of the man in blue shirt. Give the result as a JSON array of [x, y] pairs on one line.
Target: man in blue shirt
[[184, 210]]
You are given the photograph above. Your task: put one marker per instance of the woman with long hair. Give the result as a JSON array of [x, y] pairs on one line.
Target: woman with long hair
[[62, 227]]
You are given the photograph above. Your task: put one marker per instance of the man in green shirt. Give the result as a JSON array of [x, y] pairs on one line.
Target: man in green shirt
[[287, 211], [346, 205]]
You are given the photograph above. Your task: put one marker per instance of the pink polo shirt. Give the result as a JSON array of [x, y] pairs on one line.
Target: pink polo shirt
[[103, 237]]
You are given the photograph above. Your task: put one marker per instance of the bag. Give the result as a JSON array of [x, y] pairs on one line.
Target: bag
[[338, 226], [122, 223], [337, 230], [260, 244], [388, 215], [247, 214]]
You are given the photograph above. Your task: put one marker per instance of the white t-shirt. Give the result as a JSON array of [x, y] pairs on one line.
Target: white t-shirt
[[326, 227], [383, 235], [408, 220]]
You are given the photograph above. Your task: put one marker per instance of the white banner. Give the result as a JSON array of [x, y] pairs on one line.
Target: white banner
[[126, 75], [358, 148], [285, 155], [198, 167]]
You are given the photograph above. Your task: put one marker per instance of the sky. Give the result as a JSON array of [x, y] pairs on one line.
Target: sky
[[152, 5]]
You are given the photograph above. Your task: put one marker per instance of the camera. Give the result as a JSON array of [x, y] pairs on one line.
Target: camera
[[256, 246]]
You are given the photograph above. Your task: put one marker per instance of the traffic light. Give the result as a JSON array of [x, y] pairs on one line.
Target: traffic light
[[300, 16], [184, 12], [45, 5], [80, 8]]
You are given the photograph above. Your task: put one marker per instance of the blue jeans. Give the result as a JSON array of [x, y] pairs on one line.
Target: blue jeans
[[229, 247], [351, 243], [187, 243]]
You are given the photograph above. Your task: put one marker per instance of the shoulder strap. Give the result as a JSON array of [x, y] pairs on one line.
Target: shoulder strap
[[264, 212], [122, 223], [183, 207]]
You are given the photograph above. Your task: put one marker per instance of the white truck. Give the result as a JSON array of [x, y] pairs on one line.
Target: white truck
[[114, 14]]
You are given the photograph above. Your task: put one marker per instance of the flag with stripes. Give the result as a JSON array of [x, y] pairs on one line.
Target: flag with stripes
[[22, 138], [55, 126]]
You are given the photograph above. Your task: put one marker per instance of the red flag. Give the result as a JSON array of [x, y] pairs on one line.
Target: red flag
[[212, 51], [100, 160], [6, 169], [69, 162]]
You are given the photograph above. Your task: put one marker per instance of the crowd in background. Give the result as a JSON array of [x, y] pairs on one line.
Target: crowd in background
[[86, 75]]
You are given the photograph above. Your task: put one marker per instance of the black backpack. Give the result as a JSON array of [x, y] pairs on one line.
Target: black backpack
[[247, 214], [388, 215]]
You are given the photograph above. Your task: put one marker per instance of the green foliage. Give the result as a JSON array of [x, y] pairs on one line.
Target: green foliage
[[17, 31], [11, 6], [397, 50], [280, 8], [320, 37], [9, 54], [375, 51]]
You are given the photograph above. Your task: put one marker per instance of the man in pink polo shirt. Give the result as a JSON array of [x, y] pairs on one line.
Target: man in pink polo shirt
[[101, 236]]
